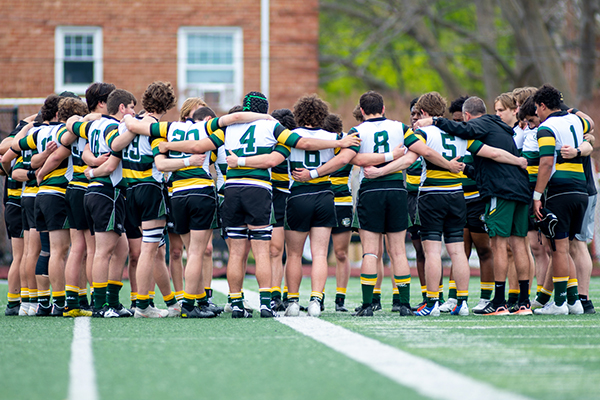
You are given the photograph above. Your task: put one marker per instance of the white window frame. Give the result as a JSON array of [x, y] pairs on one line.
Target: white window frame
[[231, 94], [59, 51]]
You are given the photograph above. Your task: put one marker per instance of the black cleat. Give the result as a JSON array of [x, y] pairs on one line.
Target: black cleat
[[237, 313], [212, 308], [339, 305], [588, 307], [323, 303], [99, 312], [277, 305], [364, 311], [405, 310], [268, 313], [302, 308], [124, 312], [57, 311], [42, 311], [196, 312], [512, 307], [396, 306], [10, 311], [376, 305], [421, 304]]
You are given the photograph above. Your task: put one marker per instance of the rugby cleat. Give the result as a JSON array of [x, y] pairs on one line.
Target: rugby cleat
[[552, 309], [576, 308], [277, 305], [148, 312], [174, 310], [419, 306], [11, 311], [111, 312], [433, 311], [481, 305], [293, 309], [405, 310], [195, 313], [124, 312], [449, 305], [314, 308], [396, 305], [377, 305], [24, 309], [42, 311], [493, 309], [76, 312], [588, 307], [236, 312], [339, 305], [536, 304], [212, 308], [461, 309], [99, 312], [522, 309], [267, 313], [364, 311]]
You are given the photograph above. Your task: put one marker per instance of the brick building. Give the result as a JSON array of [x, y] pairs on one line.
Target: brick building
[[218, 50]]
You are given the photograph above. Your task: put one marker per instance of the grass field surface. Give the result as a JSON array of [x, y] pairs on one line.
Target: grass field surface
[[540, 357]]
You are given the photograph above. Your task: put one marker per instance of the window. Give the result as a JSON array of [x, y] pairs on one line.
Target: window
[[78, 58], [210, 65]]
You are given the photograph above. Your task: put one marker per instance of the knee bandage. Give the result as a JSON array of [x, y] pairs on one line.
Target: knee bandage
[[370, 254], [237, 233], [152, 235], [261, 234]]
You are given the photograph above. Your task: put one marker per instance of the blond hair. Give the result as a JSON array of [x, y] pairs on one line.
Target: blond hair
[[189, 105]]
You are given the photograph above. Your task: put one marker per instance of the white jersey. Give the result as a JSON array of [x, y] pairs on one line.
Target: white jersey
[[381, 135], [310, 159], [434, 177], [519, 136], [99, 135]]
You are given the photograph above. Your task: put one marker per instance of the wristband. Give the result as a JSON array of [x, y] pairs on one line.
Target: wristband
[[537, 196], [241, 161], [31, 175], [186, 162], [389, 156], [314, 174], [92, 173]]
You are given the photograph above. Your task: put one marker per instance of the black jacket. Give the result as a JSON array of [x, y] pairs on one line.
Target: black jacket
[[504, 181]]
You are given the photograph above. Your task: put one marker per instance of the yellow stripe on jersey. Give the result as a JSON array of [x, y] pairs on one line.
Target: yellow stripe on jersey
[[345, 199], [31, 189], [533, 170], [586, 125], [14, 192], [433, 174], [154, 143], [570, 167], [413, 179], [133, 174], [410, 132], [31, 143], [82, 133], [183, 183], [111, 134], [320, 179], [284, 136], [336, 180], [53, 188], [469, 194], [163, 128], [76, 183], [282, 177], [56, 173], [79, 169], [546, 141]]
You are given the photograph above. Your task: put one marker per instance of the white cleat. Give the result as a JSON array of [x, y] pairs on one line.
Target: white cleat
[[552, 309], [314, 308], [461, 310], [32, 309], [227, 308], [150, 312], [24, 309], [481, 305], [449, 305], [576, 308], [536, 304], [293, 309], [174, 311]]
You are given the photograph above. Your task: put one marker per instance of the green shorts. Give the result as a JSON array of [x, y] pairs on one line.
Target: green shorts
[[506, 218]]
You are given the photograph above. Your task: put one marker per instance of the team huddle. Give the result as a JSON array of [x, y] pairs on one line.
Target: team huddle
[[93, 187]]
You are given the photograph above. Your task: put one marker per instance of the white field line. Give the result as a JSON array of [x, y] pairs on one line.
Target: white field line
[[425, 377], [82, 376]]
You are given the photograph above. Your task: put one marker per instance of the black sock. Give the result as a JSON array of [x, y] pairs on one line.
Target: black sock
[[499, 289], [523, 291]]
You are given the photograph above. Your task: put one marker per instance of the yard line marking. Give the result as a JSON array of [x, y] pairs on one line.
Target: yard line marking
[[82, 376], [402, 367]]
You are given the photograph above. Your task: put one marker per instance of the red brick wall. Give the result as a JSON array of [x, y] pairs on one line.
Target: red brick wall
[[140, 42]]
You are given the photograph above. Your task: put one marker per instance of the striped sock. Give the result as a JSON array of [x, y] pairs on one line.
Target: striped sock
[[33, 296], [395, 295], [276, 293], [424, 292], [403, 284], [14, 300], [544, 296], [265, 297], [452, 289], [112, 293], [440, 294], [432, 297], [572, 291], [377, 295], [24, 295], [179, 295], [513, 295], [58, 298], [367, 283], [170, 299], [462, 295], [285, 293], [487, 288], [237, 300], [133, 299], [560, 289], [72, 293], [143, 301], [43, 297]]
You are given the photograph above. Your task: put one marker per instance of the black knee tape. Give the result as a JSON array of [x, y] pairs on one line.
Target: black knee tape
[[237, 233], [454, 236], [431, 235], [41, 267], [45, 241], [261, 234]]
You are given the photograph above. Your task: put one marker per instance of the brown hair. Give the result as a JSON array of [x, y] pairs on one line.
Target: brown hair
[[507, 100], [159, 97], [357, 114], [118, 97], [191, 103], [310, 111], [521, 94], [432, 103], [69, 106]]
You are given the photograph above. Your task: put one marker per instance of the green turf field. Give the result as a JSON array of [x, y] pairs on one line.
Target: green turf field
[[538, 357]]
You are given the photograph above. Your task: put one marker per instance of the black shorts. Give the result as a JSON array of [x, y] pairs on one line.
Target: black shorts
[[145, 202], [246, 205], [381, 207], [440, 213], [105, 209], [309, 207], [475, 215], [414, 228], [279, 199], [344, 215], [28, 212], [51, 212], [570, 209], [193, 210], [75, 208], [13, 218]]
